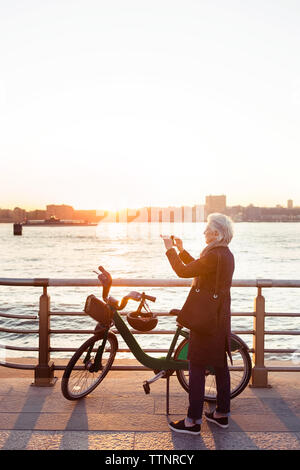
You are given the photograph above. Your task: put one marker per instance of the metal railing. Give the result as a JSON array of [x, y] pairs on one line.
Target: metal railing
[[44, 370]]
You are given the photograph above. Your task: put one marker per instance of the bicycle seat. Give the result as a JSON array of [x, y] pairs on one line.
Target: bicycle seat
[[174, 311]]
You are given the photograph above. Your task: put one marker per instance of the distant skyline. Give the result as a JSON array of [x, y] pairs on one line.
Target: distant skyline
[[106, 105], [201, 203], [109, 207]]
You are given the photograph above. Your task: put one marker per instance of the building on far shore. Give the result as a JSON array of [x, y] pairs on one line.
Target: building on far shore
[[19, 214], [61, 211], [196, 213], [215, 204], [6, 215], [36, 215], [85, 215]]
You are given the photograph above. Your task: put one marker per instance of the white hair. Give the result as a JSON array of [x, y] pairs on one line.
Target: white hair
[[222, 224]]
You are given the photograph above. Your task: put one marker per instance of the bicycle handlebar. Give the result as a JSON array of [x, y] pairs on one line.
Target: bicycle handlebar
[[106, 282]]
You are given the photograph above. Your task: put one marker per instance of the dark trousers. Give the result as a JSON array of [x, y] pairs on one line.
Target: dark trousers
[[197, 387]]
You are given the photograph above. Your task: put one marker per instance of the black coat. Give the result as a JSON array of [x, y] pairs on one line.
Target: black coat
[[208, 350]]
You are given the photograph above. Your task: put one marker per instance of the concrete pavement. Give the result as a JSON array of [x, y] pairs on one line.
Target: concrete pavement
[[119, 416]]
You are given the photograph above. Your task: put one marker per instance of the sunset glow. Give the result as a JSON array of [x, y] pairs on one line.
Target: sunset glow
[[108, 105]]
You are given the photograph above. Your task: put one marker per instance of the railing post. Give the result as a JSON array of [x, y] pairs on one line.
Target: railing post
[[259, 376], [44, 371]]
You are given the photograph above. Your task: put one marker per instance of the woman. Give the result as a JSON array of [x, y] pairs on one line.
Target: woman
[[208, 350]]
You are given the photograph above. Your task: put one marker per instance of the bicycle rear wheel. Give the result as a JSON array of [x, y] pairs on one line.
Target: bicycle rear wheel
[[79, 378], [240, 371]]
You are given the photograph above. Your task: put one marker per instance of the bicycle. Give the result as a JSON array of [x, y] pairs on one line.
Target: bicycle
[[94, 358]]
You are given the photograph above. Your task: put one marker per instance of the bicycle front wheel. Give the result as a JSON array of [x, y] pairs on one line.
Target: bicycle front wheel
[[80, 378], [240, 371]]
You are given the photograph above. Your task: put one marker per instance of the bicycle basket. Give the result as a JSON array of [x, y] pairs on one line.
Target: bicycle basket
[[98, 310]]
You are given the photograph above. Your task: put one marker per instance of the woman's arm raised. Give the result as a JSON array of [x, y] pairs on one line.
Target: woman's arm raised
[[186, 257], [193, 269], [183, 254]]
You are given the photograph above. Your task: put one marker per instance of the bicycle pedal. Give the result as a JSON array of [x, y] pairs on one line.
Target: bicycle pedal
[[146, 387]]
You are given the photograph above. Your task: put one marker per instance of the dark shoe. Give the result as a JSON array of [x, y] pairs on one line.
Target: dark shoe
[[179, 426], [222, 422]]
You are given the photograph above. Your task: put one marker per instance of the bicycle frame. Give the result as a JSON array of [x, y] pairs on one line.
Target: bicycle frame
[[164, 363]]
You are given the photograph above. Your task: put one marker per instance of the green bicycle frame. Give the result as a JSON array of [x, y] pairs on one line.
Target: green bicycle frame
[[165, 363]]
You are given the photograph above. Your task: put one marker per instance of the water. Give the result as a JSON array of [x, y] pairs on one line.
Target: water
[[261, 250]]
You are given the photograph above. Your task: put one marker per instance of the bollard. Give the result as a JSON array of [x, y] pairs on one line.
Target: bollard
[[17, 229], [44, 371], [259, 377]]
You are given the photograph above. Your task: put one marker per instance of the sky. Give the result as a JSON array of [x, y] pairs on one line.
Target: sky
[[112, 104]]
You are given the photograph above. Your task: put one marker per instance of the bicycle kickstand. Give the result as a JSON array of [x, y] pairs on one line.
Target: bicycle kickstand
[[146, 383], [161, 374]]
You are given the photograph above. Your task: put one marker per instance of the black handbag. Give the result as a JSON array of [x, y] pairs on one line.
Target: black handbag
[[200, 310]]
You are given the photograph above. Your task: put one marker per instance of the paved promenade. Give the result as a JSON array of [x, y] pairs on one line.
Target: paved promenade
[[119, 416]]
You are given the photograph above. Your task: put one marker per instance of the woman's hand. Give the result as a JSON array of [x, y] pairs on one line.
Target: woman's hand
[[178, 244], [168, 242]]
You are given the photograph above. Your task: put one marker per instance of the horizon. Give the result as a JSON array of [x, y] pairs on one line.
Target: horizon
[[139, 207], [149, 104]]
